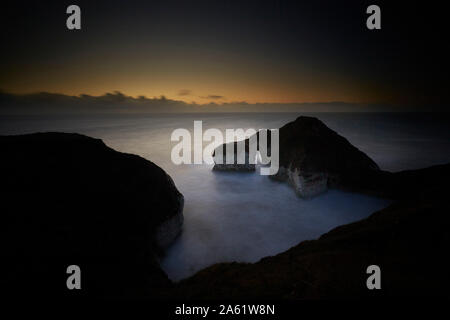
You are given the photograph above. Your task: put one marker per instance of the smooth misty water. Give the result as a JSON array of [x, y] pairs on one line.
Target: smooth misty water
[[245, 216]]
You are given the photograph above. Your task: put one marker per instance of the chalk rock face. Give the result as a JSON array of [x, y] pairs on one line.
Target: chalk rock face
[[307, 185], [70, 199]]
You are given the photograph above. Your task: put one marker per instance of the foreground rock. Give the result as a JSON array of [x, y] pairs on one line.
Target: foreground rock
[[408, 240], [69, 199], [313, 157]]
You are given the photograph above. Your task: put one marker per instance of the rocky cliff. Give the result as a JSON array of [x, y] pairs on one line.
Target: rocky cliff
[[70, 199]]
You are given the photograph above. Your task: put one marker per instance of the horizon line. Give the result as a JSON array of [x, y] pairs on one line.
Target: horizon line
[[162, 97]]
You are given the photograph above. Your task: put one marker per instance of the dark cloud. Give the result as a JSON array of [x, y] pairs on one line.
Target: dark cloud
[[54, 103], [45, 102], [213, 96], [184, 92]]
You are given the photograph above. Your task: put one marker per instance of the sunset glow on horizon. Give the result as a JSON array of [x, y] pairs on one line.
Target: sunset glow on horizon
[[273, 52]]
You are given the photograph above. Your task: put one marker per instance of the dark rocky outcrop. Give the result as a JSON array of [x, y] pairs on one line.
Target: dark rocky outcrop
[[69, 199], [409, 240], [313, 157]]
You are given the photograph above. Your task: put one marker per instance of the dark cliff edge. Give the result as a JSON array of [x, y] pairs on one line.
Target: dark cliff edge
[[69, 199], [408, 240]]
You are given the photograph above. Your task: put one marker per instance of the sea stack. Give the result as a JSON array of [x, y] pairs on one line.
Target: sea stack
[[313, 158]]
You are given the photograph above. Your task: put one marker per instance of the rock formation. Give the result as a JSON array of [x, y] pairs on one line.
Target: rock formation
[[313, 158], [69, 199]]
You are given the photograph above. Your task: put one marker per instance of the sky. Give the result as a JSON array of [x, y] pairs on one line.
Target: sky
[[227, 51]]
